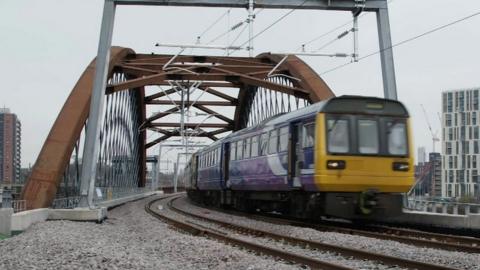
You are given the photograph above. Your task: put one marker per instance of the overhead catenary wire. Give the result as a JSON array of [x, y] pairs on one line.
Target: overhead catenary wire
[[213, 24], [327, 33], [337, 38], [436, 29], [236, 38], [275, 22], [302, 46], [233, 28]]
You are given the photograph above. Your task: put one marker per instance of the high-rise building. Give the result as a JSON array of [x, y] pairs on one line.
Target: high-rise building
[[435, 176], [428, 177], [422, 156], [10, 148], [460, 143]]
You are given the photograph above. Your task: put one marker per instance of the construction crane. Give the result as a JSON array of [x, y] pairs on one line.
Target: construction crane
[[434, 136]]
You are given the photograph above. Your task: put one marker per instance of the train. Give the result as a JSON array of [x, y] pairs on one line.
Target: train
[[346, 157]]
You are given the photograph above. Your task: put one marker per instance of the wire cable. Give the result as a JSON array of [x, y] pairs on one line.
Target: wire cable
[[236, 38], [333, 30], [327, 33], [436, 29], [275, 22], [213, 24]]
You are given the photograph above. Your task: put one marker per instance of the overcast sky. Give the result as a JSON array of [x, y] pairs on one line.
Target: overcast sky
[[46, 45]]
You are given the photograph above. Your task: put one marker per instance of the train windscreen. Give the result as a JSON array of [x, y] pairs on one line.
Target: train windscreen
[[366, 135]]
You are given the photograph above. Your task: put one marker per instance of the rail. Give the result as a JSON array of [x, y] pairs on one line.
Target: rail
[[309, 244], [199, 230]]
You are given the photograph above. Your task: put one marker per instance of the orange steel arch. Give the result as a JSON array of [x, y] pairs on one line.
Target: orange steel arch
[[146, 69], [41, 186]]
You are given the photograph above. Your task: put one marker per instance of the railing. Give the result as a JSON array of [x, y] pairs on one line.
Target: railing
[[66, 203], [452, 208], [111, 193], [101, 195], [19, 205]]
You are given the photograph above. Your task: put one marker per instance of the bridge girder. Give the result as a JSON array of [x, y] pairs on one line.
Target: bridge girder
[[216, 74]]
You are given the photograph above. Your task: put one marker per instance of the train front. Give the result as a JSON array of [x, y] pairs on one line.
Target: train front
[[364, 157]]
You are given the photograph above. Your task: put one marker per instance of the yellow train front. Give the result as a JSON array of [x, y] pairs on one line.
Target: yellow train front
[[346, 157], [363, 157]]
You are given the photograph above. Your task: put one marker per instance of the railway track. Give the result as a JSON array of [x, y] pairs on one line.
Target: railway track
[[406, 236], [314, 263], [197, 229]]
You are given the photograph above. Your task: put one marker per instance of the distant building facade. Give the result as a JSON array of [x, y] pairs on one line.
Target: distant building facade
[[460, 143], [421, 155], [428, 175], [10, 148], [435, 175]]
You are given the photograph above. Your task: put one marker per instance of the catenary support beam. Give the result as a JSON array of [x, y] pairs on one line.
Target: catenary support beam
[[343, 5], [92, 147], [386, 54]]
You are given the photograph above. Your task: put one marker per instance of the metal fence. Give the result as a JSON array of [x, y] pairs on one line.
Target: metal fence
[[19, 205], [111, 193], [102, 194], [452, 208], [66, 203]]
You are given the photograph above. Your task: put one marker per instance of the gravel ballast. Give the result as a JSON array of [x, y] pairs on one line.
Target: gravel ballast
[[129, 239], [458, 260]]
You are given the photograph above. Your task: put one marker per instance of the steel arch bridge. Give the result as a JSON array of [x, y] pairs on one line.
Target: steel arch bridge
[[266, 85]]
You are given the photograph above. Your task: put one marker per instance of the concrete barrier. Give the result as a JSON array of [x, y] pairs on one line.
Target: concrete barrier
[[6, 221], [116, 202], [78, 214], [22, 220]]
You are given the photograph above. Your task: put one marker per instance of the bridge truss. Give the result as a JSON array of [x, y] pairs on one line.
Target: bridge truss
[[122, 143]]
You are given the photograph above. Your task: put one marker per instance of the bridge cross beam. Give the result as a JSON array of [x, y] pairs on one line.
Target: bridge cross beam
[[91, 150]]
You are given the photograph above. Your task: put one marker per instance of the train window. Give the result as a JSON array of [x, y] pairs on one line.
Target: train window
[[246, 148], [397, 137], [233, 148], [219, 154], [254, 151], [273, 142], [263, 144], [368, 136], [308, 135], [283, 139], [338, 141], [239, 150]]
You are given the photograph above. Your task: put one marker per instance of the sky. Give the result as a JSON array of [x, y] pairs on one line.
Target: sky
[[45, 45]]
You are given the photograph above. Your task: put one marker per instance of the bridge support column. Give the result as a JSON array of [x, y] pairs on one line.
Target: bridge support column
[[92, 146], [386, 53]]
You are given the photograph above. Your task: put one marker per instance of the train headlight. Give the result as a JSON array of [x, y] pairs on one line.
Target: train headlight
[[401, 166], [336, 164]]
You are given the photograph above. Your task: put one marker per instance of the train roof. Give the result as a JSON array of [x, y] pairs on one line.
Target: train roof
[[346, 104], [343, 104]]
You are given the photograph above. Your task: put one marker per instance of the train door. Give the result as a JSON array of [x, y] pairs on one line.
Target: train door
[[295, 152], [226, 164], [195, 172]]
